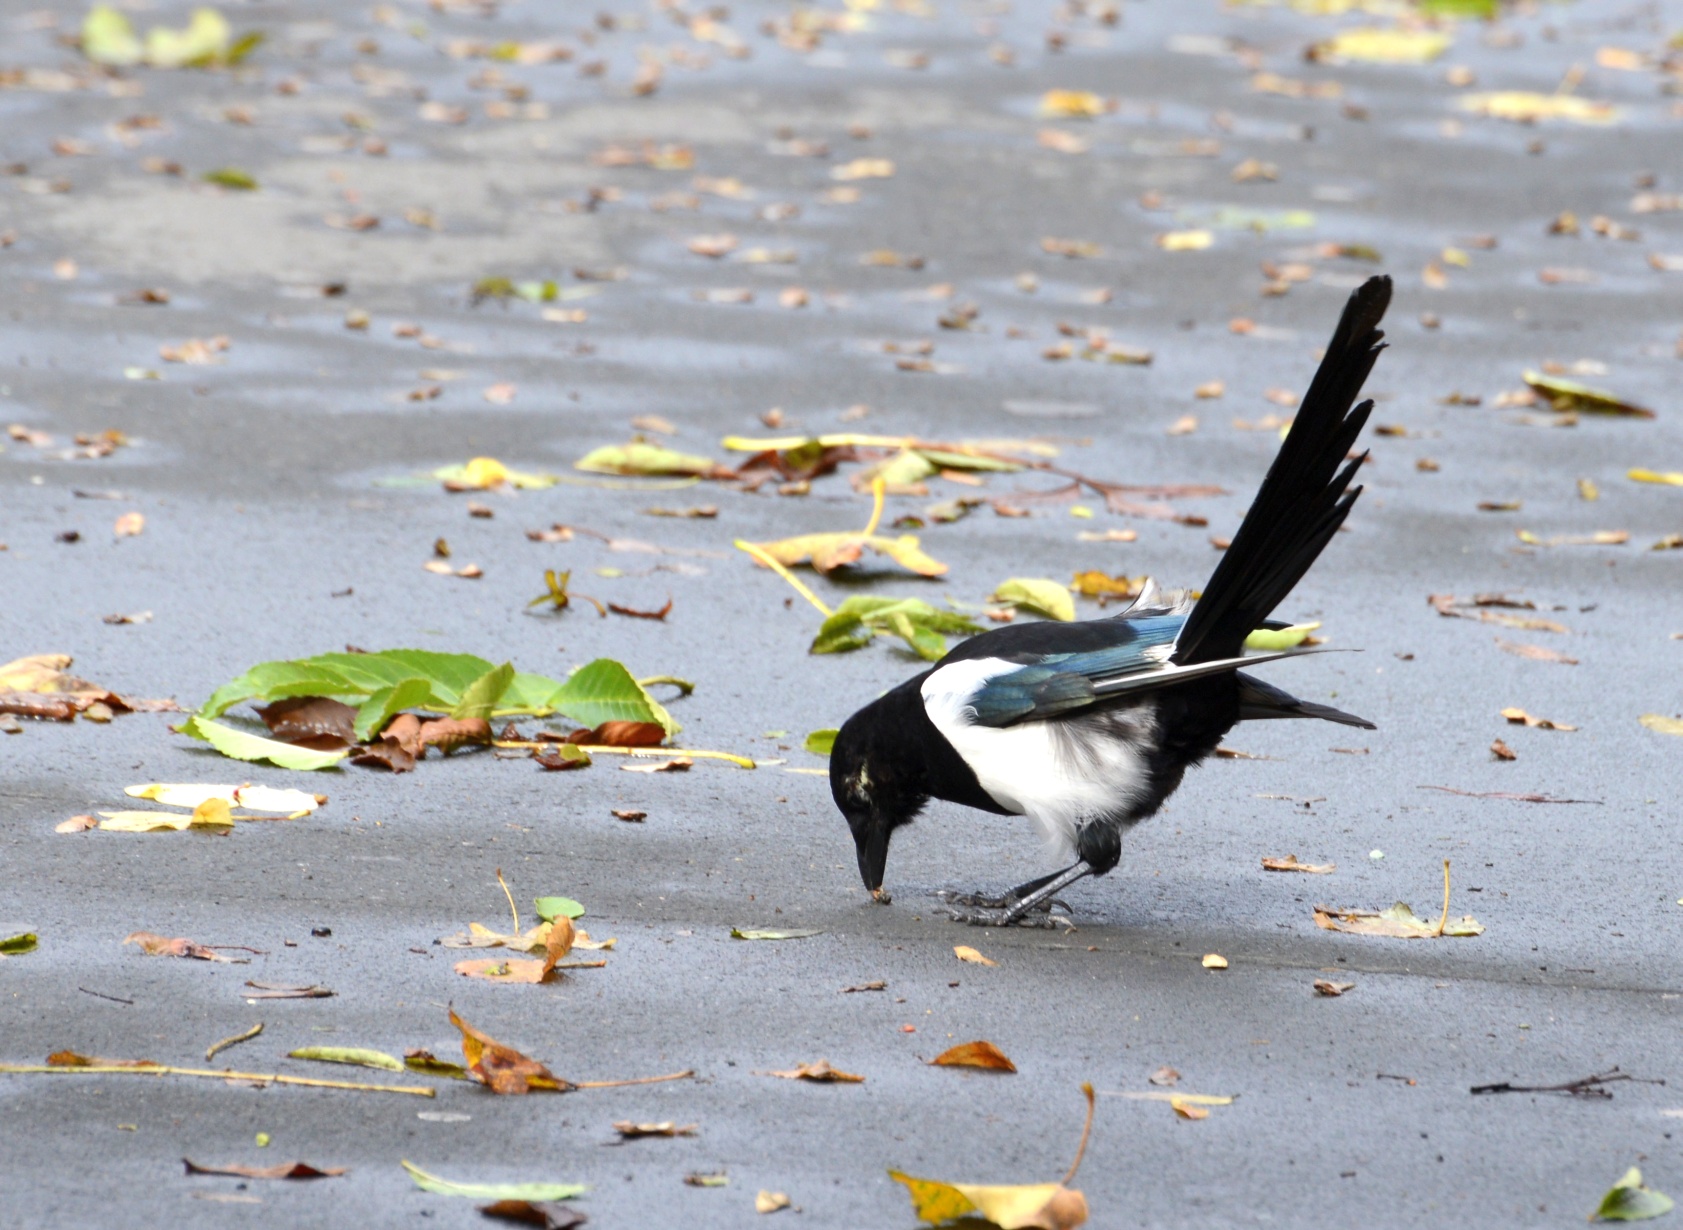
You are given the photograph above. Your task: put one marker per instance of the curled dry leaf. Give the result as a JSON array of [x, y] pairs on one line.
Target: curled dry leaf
[[1165, 1075], [545, 1214], [1214, 960], [978, 1054], [770, 1202], [1502, 751], [966, 953], [1399, 922], [502, 1069], [1188, 1110], [163, 946], [286, 1170], [76, 824], [1520, 717], [129, 525], [1290, 863], [1330, 989], [819, 1073], [557, 944]]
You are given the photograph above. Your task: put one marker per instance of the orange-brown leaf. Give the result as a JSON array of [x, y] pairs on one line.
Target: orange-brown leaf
[[502, 1069], [978, 1054]]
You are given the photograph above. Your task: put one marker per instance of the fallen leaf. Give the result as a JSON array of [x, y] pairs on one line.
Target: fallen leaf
[[1188, 1110], [541, 1213], [1670, 478], [1274, 640], [558, 942], [426, 1061], [820, 742], [1185, 241], [162, 946], [1072, 104], [1042, 1206], [504, 1070], [977, 1054], [642, 458], [1568, 395], [1502, 751], [1398, 921], [1526, 107], [129, 525], [280, 990], [76, 824], [635, 1131], [1630, 1199], [1331, 989], [863, 168], [1537, 653], [311, 721], [286, 1170], [966, 953], [487, 474], [697, 1179], [493, 1191], [820, 1073], [1659, 723], [1383, 46], [630, 815], [1214, 960], [1043, 597], [18, 943], [358, 1056], [1520, 717], [1290, 863], [241, 745], [678, 764], [752, 933], [213, 814], [770, 1202]]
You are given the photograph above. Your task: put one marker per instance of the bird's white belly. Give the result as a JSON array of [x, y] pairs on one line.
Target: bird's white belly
[[1059, 773]]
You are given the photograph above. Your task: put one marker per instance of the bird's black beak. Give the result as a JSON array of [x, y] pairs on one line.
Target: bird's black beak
[[871, 841]]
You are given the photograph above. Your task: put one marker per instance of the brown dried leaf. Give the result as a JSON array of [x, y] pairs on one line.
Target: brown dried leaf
[[820, 1073], [978, 1054], [163, 946], [502, 1069], [1290, 863], [633, 1131], [447, 734], [286, 1170], [1331, 989], [317, 722], [1537, 653], [1520, 717], [1164, 1076]]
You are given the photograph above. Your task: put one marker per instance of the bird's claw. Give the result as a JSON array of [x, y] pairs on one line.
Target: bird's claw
[[982, 917]]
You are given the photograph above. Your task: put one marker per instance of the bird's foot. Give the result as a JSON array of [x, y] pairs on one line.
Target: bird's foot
[[982, 916], [981, 901]]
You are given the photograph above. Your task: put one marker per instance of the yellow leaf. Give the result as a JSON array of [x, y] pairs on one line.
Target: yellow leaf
[[487, 473], [1379, 46], [1671, 478], [1048, 1206], [1186, 1109], [863, 168], [1043, 597], [1662, 724], [1072, 105], [1525, 107], [1274, 640], [966, 953], [1214, 960], [1185, 241]]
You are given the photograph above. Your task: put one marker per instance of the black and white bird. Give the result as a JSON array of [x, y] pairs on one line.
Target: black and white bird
[[1086, 728]]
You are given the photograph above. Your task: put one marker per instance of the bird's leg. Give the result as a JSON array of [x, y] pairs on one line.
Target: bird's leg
[[1015, 911], [1007, 898]]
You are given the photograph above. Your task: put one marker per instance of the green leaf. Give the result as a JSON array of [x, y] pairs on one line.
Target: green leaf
[[551, 908], [1632, 1200], [243, 46], [494, 1191], [205, 41], [480, 697], [17, 944], [423, 1061], [231, 177], [604, 691], [967, 461], [641, 457], [242, 746], [752, 933], [348, 1054], [685, 687], [1043, 597], [386, 703], [1274, 640], [108, 38], [822, 742]]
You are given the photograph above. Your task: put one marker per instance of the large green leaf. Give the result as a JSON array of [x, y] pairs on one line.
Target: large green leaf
[[243, 746], [481, 696], [920, 625], [494, 1191], [604, 691]]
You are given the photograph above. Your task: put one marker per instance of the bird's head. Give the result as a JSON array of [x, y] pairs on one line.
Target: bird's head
[[876, 789]]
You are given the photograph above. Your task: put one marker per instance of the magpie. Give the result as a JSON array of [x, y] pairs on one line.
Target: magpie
[[1086, 728]]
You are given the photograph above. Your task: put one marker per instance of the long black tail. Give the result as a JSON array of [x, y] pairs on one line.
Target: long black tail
[[1305, 497]]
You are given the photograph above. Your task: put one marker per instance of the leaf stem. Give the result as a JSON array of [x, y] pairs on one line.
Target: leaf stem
[[234, 1040], [511, 906], [879, 486], [637, 1080], [800, 586], [1086, 1130], [1444, 920], [272, 1078]]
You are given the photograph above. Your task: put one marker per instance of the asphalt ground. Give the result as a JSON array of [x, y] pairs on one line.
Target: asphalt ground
[[277, 478]]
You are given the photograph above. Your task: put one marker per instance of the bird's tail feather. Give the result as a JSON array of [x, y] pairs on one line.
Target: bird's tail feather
[[1304, 498], [1259, 701]]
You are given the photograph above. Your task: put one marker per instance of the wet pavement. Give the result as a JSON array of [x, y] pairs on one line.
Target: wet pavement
[[284, 475]]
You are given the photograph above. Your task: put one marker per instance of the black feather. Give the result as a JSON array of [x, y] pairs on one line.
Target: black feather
[[1304, 498]]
